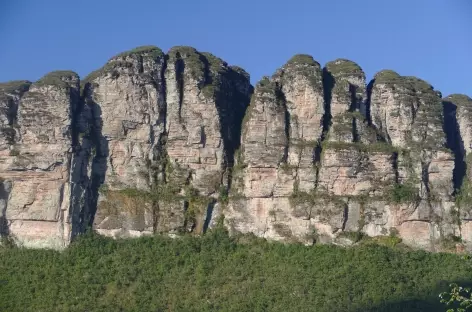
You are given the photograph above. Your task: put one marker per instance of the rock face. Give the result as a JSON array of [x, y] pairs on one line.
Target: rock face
[[458, 117], [170, 124], [36, 160], [158, 142]]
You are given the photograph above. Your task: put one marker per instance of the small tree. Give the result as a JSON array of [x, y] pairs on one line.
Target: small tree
[[459, 297]]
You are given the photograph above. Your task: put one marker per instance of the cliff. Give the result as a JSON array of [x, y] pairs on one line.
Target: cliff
[[177, 142]]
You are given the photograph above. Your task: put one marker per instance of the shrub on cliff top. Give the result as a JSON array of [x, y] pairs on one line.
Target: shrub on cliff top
[[112, 63], [459, 100], [154, 51], [56, 78], [303, 59], [344, 67], [15, 85]]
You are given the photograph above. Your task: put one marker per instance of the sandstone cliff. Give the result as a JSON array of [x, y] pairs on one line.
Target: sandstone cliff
[[175, 142]]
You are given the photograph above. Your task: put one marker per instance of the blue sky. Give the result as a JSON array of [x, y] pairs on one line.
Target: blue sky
[[430, 39]]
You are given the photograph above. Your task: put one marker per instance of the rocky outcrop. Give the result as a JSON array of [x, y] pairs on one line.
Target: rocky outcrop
[[376, 161], [36, 160], [170, 124], [158, 142]]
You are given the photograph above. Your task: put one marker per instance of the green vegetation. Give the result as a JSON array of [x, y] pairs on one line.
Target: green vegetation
[[240, 71], [341, 90], [344, 67], [194, 61], [14, 152], [303, 59], [215, 63], [379, 147], [153, 51], [418, 84], [201, 66], [387, 76], [410, 82], [219, 273], [223, 195], [309, 68], [315, 198], [353, 236], [391, 240], [460, 298], [403, 193], [464, 196], [459, 100], [112, 64], [265, 85], [14, 86], [448, 243], [56, 78]]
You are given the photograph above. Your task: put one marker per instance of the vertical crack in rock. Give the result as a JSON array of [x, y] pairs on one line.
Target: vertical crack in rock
[[368, 102], [454, 139], [179, 72]]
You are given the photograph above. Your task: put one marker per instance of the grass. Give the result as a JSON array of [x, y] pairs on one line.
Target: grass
[[220, 273]]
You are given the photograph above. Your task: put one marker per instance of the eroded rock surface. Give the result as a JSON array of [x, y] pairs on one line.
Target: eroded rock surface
[[158, 142], [36, 163]]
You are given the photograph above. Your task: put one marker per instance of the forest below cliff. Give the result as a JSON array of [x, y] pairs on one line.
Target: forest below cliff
[[217, 272]]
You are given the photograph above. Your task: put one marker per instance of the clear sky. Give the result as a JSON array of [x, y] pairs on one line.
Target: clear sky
[[430, 39]]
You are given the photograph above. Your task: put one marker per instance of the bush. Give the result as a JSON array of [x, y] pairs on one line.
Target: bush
[[402, 193]]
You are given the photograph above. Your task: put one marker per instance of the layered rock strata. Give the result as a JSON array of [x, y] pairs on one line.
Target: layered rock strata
[[174, 142]]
